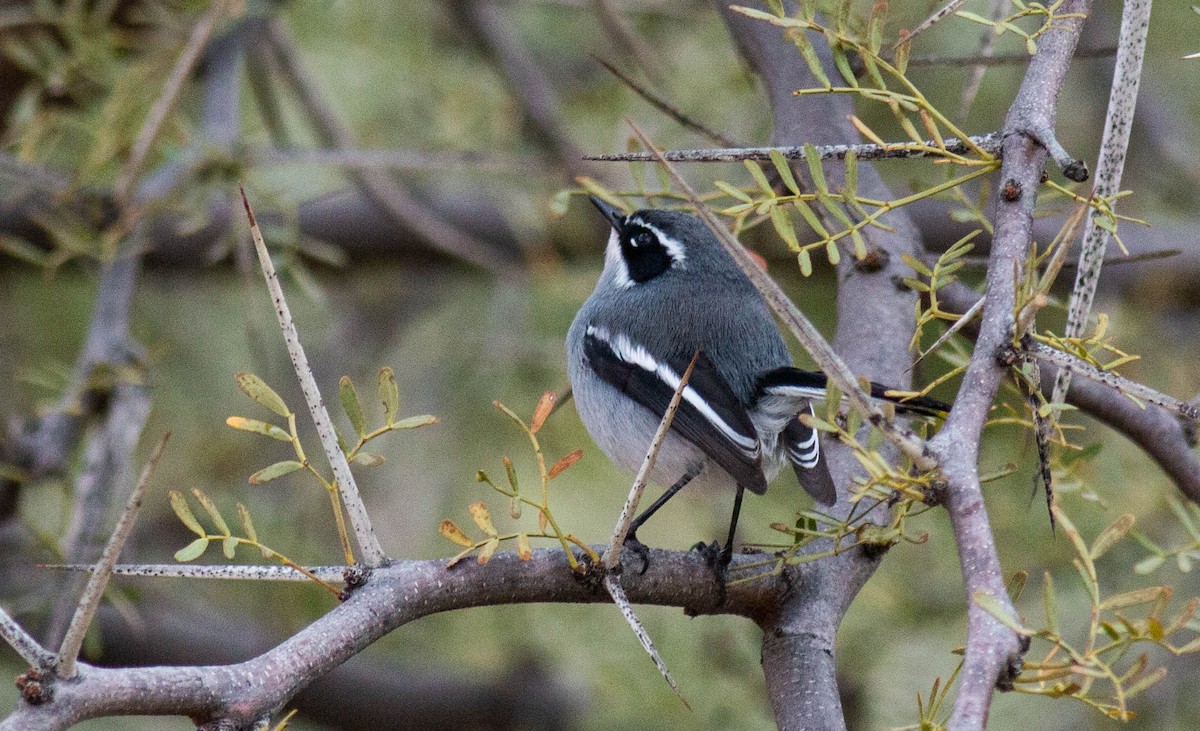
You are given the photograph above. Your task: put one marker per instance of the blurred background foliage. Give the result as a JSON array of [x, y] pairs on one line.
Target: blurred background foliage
[[78, 78]]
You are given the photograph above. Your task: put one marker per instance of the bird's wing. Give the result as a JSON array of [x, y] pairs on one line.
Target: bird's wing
[[710, 415]]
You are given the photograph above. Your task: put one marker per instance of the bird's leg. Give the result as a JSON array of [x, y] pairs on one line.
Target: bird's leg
[[719, 558], [631, 540]]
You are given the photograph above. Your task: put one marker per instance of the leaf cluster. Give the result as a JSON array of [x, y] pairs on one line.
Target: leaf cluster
[[547, 525], [1102, 670]]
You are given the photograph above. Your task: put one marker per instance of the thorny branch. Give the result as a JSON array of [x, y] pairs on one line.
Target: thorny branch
[[993, 652]]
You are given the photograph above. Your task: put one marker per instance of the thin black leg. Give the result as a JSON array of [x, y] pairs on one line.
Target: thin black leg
[[631, 539], [669, 493], [727, 554]]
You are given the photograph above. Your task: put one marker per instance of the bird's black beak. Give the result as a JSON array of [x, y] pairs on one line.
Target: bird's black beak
[[612, 214]]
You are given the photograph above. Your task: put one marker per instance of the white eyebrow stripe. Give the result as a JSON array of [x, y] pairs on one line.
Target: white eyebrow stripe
[[674, 248], [635, 354]]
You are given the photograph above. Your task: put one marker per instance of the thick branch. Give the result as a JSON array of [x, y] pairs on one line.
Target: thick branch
[[993, 652], [875, 319], [394, 595]]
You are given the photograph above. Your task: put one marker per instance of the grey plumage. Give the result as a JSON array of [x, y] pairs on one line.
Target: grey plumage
[[694, 296]]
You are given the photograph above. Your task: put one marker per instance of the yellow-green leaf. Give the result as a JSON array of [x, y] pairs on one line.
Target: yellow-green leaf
[[389, 394], [258, 427], [783, 226], [352, 406], [247, 523], [810, 217], [1134, 598], [229, 547], [184, 512], [211, 508], [450, 530], [813, 158], [512, 473], [524, 550], [733, 192], [1050, 604], [785, 171], [992, 606], [759, 177], [413, 422], [368, 459], [1108, 537], [831, 251], [257, 389], [192, 551], [489, 548], [805, 262], [483, 518], [279, 469]]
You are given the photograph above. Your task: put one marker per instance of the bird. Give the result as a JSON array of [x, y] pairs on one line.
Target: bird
[[669, 292]]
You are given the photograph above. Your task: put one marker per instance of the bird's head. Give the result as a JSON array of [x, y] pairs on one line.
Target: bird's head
[[652, 243]]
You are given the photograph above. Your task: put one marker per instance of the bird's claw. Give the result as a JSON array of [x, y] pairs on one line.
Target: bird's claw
[[640, 550], [718, 560]]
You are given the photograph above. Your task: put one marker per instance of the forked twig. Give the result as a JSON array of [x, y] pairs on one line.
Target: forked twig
[[360, 521]]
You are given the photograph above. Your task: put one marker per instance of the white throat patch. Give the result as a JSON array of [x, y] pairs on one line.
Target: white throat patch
[[615, 263]]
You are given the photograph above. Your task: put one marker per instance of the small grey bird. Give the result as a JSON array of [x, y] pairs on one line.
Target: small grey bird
[[668, 290]]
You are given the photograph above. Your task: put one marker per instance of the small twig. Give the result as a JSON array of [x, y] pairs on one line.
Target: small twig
[[368, 543], [23, 643], [613, 584], [989, 143], [987, 44], [172, 88], [625, 39], [395, 159], [1116, 382], [1135, 21], [959, 324], [68, 652], [931, 21], [331, 574], [612, 557], [666, 107], [806, 333], [1009, 59], [1072, 168]]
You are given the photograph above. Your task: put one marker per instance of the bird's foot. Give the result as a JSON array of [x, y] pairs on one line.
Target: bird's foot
[[639, 549], [718, 560]]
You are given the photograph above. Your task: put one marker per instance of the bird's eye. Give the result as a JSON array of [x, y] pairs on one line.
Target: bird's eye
[[643, 238]]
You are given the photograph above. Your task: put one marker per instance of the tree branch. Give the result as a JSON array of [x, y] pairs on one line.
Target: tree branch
[[993, 652], [875, 319], [394, 595]]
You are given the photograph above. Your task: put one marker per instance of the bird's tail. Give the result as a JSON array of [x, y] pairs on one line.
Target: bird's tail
[[788, 384]]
